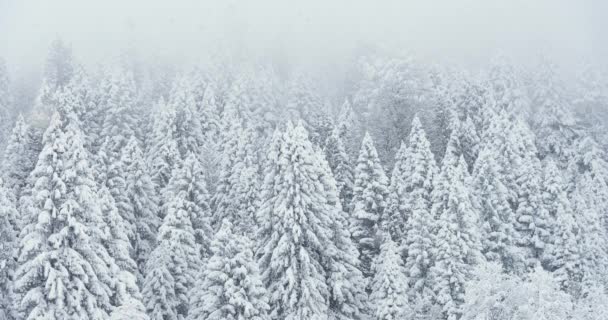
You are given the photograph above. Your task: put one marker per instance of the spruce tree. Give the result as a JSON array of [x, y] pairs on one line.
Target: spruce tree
[[389, 287], [418, 240], [63, 272], [6, 106], [497, 221], [8, 246], [348, 297], [295, 229], [144, 202], [395, 216], [340, 165], [457, 246], [230, 286], [19, 159], [163, 153], [369, 200], [189, 131], [189, 181], [554, 121], [170, 270], [561, 245], [236, 195]]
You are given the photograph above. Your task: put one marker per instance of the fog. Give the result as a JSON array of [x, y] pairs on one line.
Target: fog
[[466, 31]]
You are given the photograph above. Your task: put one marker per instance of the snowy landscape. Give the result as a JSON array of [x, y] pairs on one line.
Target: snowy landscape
[[260, 175]]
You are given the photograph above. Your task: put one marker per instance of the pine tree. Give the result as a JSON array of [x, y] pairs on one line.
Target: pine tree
[[59, 64], [208, 109], [496, 216], [554, 121], [118, 101], [63, 272], [189, 131], [189, 181], [369, 200], [340, 165], [348, 297], [389, 286], [295, 229], [561, 249], [236, 197], [6, 106], [230, 286], [163, 153], [417, 243], [171, 267], [144, 202], [19, 159], [591, 232], [395, 216], [457, 246], [8, 244]]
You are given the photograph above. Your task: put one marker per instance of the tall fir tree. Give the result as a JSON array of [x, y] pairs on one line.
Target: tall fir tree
[[189, 130], [229, 286], [163, 153], [19, 158], [497, 221], [395, 216], [554, 121], [63, 271], [8, 246], [339, 162], [418, 239], [389, 287], [144, 202], [348, 297], [369, 200], [170, 269], [236, 197], [6, 105], [295, 229], [561, 253], [456, 246]]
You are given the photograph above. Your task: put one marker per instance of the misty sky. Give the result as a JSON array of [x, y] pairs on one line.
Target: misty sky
[[458, 30]]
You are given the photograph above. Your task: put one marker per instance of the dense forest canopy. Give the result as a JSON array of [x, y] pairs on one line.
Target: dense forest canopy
[[382, 185]]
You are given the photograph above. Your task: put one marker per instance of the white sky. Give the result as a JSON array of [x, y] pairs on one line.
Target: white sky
[[320, 30]]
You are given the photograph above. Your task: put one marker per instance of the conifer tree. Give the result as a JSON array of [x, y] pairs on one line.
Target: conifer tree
[[59, 64], [418, 240], [163, 153], [8, 246], [348, 297], [189, 131], [554, 121], [295, 229], [236, 196], [19, 159], [389, 287], [457, 246], [144, 202], [63, 271], [560, 246], [230, 286], [395, 216], [170, 270], [189, 181], [369, 200], [497, 221], [118, 101], [6, 107], [340, 165]]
